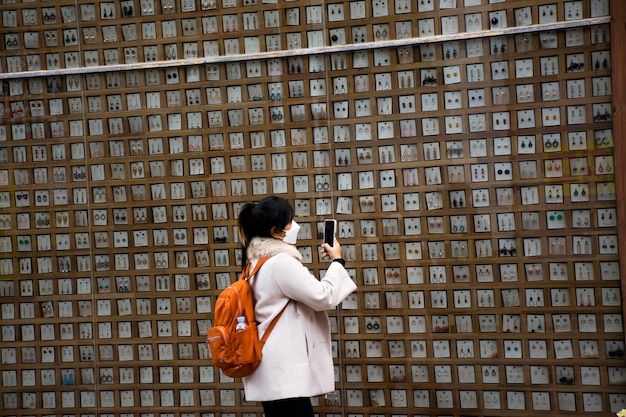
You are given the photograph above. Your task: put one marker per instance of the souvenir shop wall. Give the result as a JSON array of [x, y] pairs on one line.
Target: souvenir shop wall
[[469, 150]]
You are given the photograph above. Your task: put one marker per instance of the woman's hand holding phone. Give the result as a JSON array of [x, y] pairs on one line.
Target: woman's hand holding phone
[[330, 246]]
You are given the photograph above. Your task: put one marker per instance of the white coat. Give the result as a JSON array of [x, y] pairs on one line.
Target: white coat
[[297, 358]]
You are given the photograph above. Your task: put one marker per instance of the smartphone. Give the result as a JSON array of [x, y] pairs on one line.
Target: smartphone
[[330, 227]]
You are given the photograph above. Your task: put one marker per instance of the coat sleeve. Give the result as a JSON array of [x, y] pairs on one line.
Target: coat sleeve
[[297, 283]]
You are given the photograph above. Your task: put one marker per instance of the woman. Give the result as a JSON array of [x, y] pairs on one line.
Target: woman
[[297, 360]]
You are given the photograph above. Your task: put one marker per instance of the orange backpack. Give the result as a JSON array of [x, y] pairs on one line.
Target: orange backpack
[[237, 353]]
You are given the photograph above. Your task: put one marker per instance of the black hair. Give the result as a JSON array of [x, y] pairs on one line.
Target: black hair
[[263, 218]]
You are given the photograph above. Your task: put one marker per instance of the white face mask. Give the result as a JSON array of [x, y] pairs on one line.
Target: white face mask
[[291, 235]]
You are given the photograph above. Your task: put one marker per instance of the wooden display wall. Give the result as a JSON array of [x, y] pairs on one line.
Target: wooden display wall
[[467, 149]]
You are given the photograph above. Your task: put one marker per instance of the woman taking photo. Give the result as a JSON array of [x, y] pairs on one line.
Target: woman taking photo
[[297, 360]]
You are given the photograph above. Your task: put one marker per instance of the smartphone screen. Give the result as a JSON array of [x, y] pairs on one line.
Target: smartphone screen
[[329, 231]]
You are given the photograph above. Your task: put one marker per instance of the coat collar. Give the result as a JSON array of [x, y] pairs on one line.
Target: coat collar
[[267, 246]]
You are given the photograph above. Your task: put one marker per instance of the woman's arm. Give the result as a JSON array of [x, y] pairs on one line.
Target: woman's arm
[[296, 282]]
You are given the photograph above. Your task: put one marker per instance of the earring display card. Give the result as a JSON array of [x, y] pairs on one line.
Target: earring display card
[[124, 167]]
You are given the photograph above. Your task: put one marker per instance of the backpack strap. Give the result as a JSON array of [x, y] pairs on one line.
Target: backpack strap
[[246, 274], [272, 324]]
